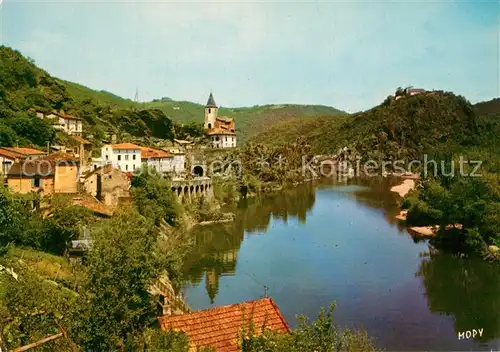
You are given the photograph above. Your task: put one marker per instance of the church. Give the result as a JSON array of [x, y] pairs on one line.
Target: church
[[220, 130]]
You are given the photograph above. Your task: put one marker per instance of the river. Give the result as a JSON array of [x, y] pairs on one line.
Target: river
[[326, 242]]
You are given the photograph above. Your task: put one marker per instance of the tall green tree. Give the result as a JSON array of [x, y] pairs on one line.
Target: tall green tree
[[153, 197], [122, 265]]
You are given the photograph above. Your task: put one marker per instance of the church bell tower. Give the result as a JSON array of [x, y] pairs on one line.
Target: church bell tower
[[210, 112]]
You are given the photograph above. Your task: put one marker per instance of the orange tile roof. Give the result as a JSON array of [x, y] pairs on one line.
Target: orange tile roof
[[220, 327], [80, 139], [26, 151], [125, 146], [147, 153], [215, 131], [91, 203], [11, 154]]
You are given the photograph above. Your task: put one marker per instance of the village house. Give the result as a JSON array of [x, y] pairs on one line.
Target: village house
[[72, 125], [55, 173], [158, 159], [82, 149], [220, 131], [108, 185], [220, 327], [10, 155], [178, 160], [123, 156]]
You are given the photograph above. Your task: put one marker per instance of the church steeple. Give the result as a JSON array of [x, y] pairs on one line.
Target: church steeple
[[211, 102], [210, 113]]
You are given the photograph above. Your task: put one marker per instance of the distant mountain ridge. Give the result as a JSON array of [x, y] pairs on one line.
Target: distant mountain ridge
[[24, 86], [404, 128], [249, 120]]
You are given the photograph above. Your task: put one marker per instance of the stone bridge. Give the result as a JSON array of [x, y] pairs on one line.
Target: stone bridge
[[189, 189]]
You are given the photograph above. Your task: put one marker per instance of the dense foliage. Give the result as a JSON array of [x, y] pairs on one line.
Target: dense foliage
[[115, 301], [154, 197], [470, 201], [321, 335], [396, 129], [20, 225]]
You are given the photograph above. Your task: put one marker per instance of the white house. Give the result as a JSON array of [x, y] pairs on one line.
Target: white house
[[124, 156], [178, 159], [222, 139], [70, 124], [157, 159]]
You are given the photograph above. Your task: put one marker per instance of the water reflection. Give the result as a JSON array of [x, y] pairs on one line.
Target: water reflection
[[379, 277], [215, 253], [467, 289]]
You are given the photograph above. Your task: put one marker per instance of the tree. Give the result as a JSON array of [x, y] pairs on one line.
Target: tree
[[122, 264], [321, 335], [13, 219], [153, 197]]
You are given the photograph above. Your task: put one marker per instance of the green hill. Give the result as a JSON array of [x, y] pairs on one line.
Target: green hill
[[23, 86], [403, 128], [249, 120]]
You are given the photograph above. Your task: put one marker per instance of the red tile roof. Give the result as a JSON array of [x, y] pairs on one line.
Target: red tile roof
[[80, 140], [10, 154], [220, 327], [215, 131], [91, 203], [125, 146], [147, 153], [26, 151]]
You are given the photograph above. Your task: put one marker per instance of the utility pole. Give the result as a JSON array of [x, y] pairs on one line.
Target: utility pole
[[265, 291]]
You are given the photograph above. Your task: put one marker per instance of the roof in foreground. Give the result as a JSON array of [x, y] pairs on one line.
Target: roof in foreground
[[219, 327]]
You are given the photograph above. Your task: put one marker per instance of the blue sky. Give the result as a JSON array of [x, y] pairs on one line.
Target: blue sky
[[350, 55]]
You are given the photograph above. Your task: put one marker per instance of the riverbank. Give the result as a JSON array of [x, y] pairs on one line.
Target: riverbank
[[409, 183]]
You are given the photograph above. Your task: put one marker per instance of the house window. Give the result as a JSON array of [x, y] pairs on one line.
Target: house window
[[126, 167], [133, 167], [217, 139], [133, 157], [209, 126], [226, 139], [107, 157], [126, 157], [119, 157], [209, 110], [36, 182]]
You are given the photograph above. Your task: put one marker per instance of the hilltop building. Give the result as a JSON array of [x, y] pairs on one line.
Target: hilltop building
[[220, 130]]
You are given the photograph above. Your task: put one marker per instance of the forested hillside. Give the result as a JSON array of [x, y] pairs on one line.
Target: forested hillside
[[24, 86], [403, 128]]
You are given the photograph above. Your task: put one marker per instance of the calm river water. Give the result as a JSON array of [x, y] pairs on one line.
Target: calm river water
[[316, 244]]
